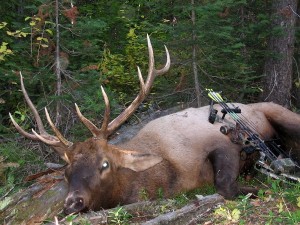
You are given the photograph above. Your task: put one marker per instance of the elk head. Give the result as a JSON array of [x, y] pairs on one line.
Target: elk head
[[93, 166]]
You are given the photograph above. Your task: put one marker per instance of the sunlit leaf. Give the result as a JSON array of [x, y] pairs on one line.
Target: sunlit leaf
[[131, 33], [5, 202], [235, 215], [3, 24], [42, 39], [24, 34], [221, 212], [49, 31], [3, 48], [280, 207], [48, 22]]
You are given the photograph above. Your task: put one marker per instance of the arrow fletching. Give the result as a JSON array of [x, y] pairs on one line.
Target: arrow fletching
[[214, 96]]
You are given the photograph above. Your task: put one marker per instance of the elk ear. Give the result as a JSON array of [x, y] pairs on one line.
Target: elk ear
[[137, 161]]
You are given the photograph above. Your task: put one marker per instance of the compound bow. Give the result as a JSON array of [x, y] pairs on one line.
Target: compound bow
[[273, 160]]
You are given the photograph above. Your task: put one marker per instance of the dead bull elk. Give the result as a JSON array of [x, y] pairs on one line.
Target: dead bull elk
[[174, 153]]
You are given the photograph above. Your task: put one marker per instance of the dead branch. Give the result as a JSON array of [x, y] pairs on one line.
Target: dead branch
[[188, 213]]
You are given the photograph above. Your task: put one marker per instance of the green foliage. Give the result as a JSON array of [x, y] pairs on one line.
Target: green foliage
[[120, 71], [184, 198], [160, 193], [70, 218], [143, 194], [4, 48], [119, 216], [3, 167], [4, 51], [223, 40], [181, 199], [280, 204], [16, 163], [228, 215]]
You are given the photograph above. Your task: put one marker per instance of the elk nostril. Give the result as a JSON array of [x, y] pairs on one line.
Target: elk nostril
[[79, 203], [74, 205]]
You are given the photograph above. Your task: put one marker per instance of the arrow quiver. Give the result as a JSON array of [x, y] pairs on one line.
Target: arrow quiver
[[212, 113]]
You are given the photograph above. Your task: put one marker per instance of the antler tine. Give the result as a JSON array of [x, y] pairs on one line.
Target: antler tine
[[48, 141], [142, 83], [21, 131], [151, 69], [152, 72], [94, 130], [98, 133], [167, 65], [56, 131], [106, 114], [35, 114], [145, 88], [32, 107]]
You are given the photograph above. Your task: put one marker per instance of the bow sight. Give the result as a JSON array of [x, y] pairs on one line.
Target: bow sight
[[273, 160]]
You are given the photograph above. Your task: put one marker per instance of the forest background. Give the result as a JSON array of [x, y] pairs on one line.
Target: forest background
[[67, 49]]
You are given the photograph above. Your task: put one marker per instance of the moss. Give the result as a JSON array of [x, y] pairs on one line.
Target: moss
[[38, 207]]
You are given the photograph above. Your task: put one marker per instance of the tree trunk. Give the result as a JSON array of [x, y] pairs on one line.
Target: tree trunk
[[57, 65], [296, 78], [194, 59], [278, 65]]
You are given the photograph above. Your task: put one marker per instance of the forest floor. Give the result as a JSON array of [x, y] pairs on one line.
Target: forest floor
[[276, 203]]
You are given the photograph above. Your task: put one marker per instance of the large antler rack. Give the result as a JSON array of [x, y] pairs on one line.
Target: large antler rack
[[58, 142], [108, 128]]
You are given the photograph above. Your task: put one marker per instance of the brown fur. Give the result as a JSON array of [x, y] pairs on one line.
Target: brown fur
[[193, 153]]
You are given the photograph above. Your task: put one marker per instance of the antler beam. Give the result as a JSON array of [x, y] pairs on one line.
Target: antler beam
[[58, 142]]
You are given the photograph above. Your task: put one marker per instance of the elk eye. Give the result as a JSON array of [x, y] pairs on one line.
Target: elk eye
[[105, 165]]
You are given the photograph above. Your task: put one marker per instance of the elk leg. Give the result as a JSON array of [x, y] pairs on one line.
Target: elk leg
[[226, 170]]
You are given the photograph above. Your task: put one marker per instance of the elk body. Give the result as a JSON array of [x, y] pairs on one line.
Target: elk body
[[174, 153]]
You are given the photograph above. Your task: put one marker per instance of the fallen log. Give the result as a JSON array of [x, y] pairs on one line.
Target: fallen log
[[42, 200], [190, 213]]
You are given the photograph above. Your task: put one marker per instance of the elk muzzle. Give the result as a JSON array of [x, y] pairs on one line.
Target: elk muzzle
[[75, 203]]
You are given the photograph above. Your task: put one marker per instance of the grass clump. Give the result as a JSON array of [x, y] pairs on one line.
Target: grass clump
[[276, 203], [16, 162], [119, 216]]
